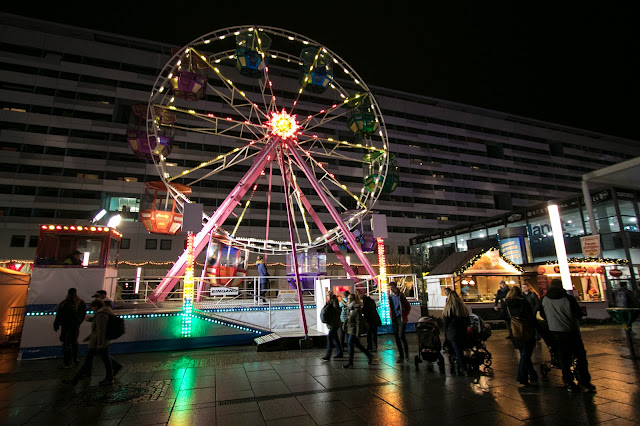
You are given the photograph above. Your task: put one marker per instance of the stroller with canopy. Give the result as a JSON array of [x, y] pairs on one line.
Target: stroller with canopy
[[476, 352], [429, 345]]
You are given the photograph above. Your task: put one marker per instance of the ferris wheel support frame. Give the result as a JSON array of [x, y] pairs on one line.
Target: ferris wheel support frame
[[215, 221], [336, 250], [294, 254], [332, 211]]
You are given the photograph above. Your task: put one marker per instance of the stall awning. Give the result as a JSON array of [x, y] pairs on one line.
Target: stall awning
[[477, 261], [455, 261]]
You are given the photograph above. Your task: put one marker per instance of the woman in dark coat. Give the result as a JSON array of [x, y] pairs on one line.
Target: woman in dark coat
[[353, 326], [69, 315], [371, 317], [517, 306], [455, 321]]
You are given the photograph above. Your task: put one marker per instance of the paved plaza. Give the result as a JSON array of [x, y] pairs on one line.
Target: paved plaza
[[239, 386]]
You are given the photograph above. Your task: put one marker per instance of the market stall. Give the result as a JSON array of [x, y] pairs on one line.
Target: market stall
[[589, 279], [476, 276]]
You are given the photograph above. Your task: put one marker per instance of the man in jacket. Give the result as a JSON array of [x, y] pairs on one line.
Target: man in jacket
[[264, 277], [399, 309], [562, 312], [501, 295]]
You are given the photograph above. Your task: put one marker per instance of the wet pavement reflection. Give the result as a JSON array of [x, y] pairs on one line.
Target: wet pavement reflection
[[237, 385]]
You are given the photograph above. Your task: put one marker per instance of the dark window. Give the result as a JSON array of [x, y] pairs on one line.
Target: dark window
[[18, 240], [125, 243], [33, 241], [151, 244], [165, 244]]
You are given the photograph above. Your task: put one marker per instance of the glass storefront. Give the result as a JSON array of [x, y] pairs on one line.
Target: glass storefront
[[615, 214]]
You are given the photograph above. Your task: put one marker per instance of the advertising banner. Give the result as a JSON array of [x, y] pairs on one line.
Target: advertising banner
[[513, 249], [590, 245]]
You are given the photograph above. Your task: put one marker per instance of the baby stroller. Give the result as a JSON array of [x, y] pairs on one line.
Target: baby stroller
[[546, 336], [429, 346], [476, 352]]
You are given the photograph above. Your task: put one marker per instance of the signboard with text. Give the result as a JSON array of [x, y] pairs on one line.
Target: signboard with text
[[223, 291], [590, 245]]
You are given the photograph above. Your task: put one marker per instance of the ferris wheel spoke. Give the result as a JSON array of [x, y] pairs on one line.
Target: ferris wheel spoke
[[295, 194], [226, 161]]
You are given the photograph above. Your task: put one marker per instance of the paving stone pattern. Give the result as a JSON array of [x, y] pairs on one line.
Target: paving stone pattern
[[238, 386]]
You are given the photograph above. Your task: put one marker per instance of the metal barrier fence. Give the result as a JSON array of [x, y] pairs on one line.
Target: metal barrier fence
[[132, 291], [15, 322]]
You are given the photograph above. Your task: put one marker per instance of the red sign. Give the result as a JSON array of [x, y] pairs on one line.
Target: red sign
[[615, 272]]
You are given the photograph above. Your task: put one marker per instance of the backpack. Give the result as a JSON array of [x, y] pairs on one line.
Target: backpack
[[115, 327], [622, 301], [328, 314]]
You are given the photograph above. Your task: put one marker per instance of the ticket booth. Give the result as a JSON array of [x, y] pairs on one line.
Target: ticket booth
[[84, 257]]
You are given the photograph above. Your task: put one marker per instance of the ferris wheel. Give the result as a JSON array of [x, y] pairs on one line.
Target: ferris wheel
[[282, 124]]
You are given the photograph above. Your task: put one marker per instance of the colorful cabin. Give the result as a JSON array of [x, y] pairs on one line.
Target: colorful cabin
[[143, 145], [189, 81], [361, 119], [316, 72], [188, 85], [251, 53], [371, 170], [225, 262], [158, 211], [311, 265]]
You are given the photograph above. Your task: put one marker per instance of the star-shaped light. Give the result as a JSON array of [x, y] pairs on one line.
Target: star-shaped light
[[283, 125]]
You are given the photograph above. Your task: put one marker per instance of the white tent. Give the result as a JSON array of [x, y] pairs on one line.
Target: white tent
[[13, 293]]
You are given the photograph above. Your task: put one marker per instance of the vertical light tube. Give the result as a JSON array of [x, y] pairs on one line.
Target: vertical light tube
[[85, 259], [561, 251], [187, 291], [383, 288], [138, 273]]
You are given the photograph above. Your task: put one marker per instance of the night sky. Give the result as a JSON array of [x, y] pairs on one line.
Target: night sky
[[575, 66]]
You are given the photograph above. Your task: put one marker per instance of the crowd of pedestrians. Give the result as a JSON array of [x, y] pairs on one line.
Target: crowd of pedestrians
[[529, 317]]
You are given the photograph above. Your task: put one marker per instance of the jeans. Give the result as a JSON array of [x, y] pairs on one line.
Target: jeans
[[88, 363], [458, 349], [525, 367], [399, 329], [569, 345], [372, 338], [354, 342], [332, 338]]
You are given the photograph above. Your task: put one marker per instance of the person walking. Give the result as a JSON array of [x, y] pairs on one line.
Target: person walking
[[69, 315], [333, 312], [455, 321], [353, 327], [501, 294], [372, 318], [519, 310], [264, 282], [533, 298], [624, 297], [562, 312], [98, 345], [399, 309], [344, 311]]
